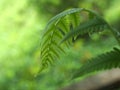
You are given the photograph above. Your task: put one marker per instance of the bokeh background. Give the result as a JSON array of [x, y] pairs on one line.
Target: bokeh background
[[21, 26]]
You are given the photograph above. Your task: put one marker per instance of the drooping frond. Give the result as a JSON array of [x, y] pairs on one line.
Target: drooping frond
[[64, 26], [102, 62], [93, 25], [55, 30]]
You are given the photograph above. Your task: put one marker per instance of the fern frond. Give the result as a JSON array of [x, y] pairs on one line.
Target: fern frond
[[66, 23], [55, 30], [93, 25], [102, 62]]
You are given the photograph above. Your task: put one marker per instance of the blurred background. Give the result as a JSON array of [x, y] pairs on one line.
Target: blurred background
[[21, 26]]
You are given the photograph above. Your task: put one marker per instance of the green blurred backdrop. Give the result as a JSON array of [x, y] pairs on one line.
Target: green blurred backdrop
[[21, 26]]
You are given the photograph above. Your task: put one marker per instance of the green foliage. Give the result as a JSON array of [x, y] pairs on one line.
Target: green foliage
[[65, 27], [21, 23], [104, 61], [54, 32]]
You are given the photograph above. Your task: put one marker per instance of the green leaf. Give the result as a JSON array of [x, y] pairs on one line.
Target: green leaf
[[102, 62], [85, 28], [66, 26]]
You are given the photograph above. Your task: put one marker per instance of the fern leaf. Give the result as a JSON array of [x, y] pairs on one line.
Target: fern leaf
[[93, 25], [54, 32], [102, 62], [66, 23]]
